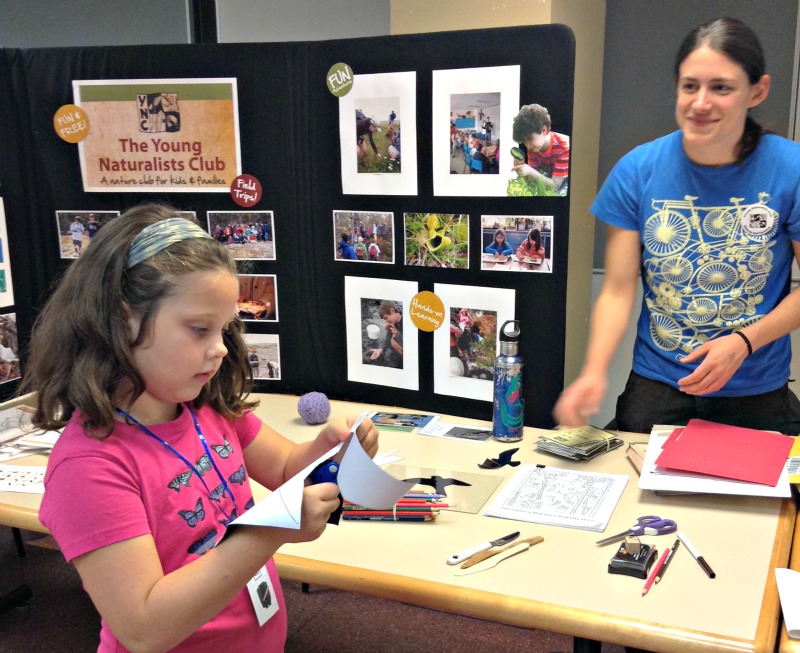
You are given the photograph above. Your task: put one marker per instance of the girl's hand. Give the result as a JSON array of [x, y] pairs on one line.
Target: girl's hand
[[319, 501], [367, 434]]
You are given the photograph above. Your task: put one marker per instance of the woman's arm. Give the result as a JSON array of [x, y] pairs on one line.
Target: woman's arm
[[610, 318], [722, 356]]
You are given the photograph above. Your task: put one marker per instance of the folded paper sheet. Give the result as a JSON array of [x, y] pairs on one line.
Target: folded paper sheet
[[360, 481], [788, 581], [731, 452]]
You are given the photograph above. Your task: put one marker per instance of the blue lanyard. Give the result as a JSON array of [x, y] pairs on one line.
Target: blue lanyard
[[225, 488]]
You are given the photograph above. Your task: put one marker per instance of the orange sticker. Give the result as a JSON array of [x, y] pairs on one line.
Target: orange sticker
[[71, 123], [427, 311]]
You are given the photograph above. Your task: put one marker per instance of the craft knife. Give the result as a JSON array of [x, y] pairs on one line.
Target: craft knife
[[463, 555]]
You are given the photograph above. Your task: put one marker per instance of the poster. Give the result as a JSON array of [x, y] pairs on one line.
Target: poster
[[166, 135]]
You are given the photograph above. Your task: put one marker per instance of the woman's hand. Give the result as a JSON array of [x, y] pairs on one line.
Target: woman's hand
[[580, 400], [720, 357]]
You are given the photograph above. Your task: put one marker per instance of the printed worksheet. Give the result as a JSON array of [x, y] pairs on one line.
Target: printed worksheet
[[559, 497]]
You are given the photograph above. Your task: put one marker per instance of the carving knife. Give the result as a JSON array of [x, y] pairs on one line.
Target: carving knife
[[463, 555], [485, 555], [495, 560]]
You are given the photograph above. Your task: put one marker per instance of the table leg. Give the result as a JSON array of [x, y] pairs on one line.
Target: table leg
[[15, 598], [582, 645]]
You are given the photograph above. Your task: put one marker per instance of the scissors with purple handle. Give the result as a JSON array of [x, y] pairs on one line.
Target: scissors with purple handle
[[645, 525]]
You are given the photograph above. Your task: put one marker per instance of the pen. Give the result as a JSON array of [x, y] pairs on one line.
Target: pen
[[666, 564], [696, 554], [656, 572]]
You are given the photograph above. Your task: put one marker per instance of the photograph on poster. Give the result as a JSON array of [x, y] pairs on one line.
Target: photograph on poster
[[163, 135], [77, 228], [378, 135], [437, 240], [363, 236], [264, 354], [6, 287], [464, 374], [540, 155], [9, 358], [517, 243], [478, 104], [258, 298], [381, 341], [373, 116], [473, 142], [245, 234]]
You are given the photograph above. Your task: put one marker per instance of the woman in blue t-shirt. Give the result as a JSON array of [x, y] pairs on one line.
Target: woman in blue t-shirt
[[710, 217]]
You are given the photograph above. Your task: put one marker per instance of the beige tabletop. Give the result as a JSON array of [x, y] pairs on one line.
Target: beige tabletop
[[561, 584]]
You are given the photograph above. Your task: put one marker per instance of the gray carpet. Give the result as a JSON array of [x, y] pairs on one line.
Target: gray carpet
[[61, 619]]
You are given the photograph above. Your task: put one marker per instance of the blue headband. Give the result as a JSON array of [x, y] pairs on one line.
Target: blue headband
[[158, 236]]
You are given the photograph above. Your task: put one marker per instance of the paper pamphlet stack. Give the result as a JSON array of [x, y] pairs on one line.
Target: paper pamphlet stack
[[723, 461], [579, 443]]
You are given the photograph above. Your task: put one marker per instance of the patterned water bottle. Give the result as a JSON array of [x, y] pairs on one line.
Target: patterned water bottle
[[509, 406]]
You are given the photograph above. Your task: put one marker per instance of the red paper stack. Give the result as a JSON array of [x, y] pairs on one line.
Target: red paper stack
[[730, 452]]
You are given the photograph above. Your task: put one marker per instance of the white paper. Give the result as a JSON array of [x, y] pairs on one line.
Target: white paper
[[789, 591], [466, 432], [284, 506], [559, 497], [654, 477], [360, 481], [22, 478]]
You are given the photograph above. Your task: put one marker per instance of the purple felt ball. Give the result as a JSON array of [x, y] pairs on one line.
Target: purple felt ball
[[314, 408]]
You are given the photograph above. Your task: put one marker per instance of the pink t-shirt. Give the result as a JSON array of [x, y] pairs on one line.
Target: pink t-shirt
[[99, 492]]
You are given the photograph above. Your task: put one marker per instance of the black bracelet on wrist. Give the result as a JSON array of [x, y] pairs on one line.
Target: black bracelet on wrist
[[746, 341]]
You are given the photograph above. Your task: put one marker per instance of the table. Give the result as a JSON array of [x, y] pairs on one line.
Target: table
[[562, 584], [489, 262]]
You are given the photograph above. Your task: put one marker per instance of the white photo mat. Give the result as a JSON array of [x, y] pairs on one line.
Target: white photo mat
[[502, 79], [358, 288], [403, 86], [498, 300]]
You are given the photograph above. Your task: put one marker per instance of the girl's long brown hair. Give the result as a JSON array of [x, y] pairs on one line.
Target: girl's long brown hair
[[81, 347]]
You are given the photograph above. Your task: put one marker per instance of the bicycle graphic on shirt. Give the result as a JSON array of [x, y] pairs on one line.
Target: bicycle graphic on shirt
[[705, 268]]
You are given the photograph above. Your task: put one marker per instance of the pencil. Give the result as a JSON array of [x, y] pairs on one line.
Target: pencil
[[669, 559], [656, 572]]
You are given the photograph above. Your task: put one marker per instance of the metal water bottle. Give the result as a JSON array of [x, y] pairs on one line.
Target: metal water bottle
[[509, 406]]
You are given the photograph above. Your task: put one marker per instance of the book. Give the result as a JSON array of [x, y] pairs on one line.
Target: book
[[578, 443]]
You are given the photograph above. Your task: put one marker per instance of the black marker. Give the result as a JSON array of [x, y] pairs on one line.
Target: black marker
[[696, 554]]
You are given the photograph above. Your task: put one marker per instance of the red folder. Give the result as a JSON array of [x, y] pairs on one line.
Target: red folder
[[731, 452]]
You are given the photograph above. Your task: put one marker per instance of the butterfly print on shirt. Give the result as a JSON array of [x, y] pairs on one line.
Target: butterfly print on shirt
[[205, 543], [191, 517], [223, 450], [180, 479]]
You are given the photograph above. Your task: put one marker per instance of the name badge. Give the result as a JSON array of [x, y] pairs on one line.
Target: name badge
[[262, 594]]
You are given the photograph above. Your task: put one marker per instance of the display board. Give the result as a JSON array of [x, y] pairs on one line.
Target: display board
[[402, 142]]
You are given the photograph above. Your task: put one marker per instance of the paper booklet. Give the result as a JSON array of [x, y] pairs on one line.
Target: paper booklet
[[579, 443], [658, 478], [360, 481], [559, 497]]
